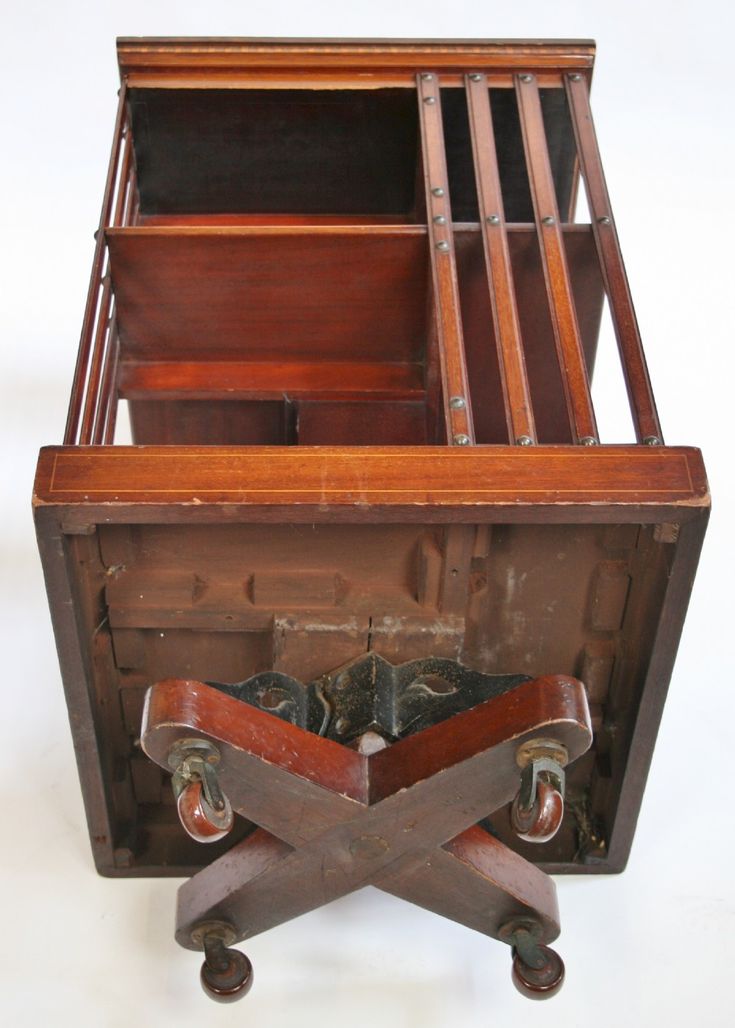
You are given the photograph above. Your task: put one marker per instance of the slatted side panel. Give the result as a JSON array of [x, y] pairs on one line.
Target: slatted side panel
[[511, 361], [456, 393], [567, 337], [640, 393]]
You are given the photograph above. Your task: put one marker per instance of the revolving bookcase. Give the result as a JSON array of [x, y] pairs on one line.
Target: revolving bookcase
[[367, 587]]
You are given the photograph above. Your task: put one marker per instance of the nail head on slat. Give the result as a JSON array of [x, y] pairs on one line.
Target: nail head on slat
[[526, 78], [429, 99], [427, 76], [524, 440], [493, 219], [442, 245], [588, 440], [475, 77], [439, 219], [604, 220], [576, 77], [457, 403], [548, 220], [438, 191], [461, 439]]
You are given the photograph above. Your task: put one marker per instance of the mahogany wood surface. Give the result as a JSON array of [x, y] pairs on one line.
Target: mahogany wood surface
[[511, 361], [350, 816], [561, 303]]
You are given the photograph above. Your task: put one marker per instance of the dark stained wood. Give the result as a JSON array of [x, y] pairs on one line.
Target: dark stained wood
[[448, 318], [556, 272], [640, 393], [511, 362]]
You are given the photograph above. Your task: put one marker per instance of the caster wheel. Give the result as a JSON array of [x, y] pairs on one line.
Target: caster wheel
[[541, 822], [542, 982], [227, 975], [199, 819]]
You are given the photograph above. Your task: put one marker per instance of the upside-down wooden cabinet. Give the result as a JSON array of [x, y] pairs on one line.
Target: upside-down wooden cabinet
[[367, 587]]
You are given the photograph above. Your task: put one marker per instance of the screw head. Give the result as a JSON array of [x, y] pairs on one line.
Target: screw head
[[442, 245], [439, 219], [652, 440], [526, 78], [461, 439], [588, 440], [429, 99], [438, 191], [548, 220], [492, 219], [427, 76], [475, 77], [524, 440], [457, 403], [604, 220], [575, 77]]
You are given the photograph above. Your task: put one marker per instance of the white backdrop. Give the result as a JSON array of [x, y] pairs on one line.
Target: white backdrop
[[655, 944]]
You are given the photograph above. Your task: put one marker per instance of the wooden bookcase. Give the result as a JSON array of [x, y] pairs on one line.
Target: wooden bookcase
[[340, 288]]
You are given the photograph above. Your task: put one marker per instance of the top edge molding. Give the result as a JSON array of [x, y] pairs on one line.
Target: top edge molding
[[160, 54]]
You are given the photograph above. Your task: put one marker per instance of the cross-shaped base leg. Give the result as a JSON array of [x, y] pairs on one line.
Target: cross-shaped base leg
[[403, 818]]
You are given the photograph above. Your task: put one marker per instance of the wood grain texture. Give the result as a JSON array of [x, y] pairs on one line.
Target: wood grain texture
[[511, 361], [447, 312], [567, 336], [370, 484]]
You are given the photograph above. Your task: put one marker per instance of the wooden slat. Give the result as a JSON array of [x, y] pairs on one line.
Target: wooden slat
[[640, 392], [243, 380], [85, 342], [511, 361], [556, 273], [94, 377], [457, 407], [106, 413]]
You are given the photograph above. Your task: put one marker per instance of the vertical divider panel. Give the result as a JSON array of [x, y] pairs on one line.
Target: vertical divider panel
[[640, 392], [567, 336], [457, 406], [511, 360]]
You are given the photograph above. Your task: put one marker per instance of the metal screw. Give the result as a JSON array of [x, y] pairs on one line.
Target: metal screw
[[588, 440], [429, 99], [438, 191], [475, 77], [443, 245], [526, 78], [524, 440], [461, 440], [439, 219], [493, 219], [652, 440], [548, 220], [457, 403], [604, 220], [427, 76], [575, 77]]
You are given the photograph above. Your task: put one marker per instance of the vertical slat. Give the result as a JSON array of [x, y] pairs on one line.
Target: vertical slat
[[456, 399], [85, 341], [556, 273], [640, 393], [101, 337], [511, 360], [108, 389], [121, 202]]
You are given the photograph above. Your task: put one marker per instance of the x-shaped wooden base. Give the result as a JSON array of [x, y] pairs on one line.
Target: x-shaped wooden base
[[333, 819]]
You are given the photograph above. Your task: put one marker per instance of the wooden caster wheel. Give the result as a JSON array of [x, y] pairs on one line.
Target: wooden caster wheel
[[227, 974], [541, 821], [199, 818], [539, 982]]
